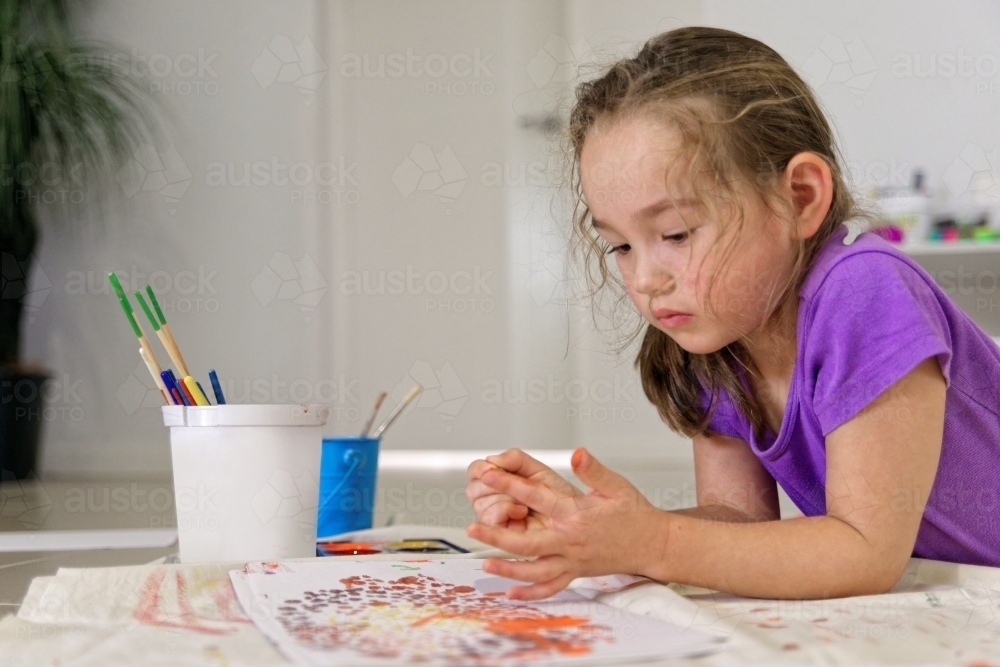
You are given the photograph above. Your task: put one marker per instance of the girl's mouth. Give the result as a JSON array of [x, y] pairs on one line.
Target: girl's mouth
[[675, 320]]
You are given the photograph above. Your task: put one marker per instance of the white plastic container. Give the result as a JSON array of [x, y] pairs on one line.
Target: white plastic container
[[911, 212], [246, 480]]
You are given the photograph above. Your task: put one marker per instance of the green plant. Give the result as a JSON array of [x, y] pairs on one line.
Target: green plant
[[68, 112]]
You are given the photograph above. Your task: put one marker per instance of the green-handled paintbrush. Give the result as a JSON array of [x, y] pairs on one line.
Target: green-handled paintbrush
[[147, 351], [162, 332], [166, 330]]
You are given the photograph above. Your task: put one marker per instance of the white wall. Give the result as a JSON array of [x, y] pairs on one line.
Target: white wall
[[202, 55], [922, 78], [341, 344]]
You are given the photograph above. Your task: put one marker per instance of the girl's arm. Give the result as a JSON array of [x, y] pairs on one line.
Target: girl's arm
[[731, 483], [880, 469]]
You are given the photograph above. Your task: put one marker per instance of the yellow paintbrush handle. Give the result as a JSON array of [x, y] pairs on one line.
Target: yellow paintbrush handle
[[192, 386]]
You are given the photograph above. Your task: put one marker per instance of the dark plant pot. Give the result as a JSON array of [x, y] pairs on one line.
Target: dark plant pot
[[21, 414]]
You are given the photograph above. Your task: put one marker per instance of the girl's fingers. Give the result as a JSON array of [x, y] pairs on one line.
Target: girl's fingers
[[477, 489], [540, 591], [500, 513], [484, 502], [528, 543], [518, 462], [535, 495], [477, 468], [541, 569], [518, 525]]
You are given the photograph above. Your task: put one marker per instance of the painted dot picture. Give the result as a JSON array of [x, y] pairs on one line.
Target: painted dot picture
[[454, 624], [441, 612]]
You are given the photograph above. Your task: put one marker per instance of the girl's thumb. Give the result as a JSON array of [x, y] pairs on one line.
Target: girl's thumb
[[590, 471]]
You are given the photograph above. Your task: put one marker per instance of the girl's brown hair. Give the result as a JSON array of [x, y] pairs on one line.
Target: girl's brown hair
[[742, 113]]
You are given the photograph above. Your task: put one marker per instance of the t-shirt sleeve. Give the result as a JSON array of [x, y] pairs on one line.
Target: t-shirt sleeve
[[725, 418], [872, 320]]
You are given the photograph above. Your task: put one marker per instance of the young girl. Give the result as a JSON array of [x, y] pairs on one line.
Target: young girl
[[787, 348]]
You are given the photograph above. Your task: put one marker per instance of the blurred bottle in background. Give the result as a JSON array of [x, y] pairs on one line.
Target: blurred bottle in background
[[906, 212]]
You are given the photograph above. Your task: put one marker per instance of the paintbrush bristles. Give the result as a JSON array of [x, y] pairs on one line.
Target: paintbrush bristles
[[371, 417], [397, 410]]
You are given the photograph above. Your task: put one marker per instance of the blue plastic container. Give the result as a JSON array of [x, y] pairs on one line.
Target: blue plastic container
[[347, 475]]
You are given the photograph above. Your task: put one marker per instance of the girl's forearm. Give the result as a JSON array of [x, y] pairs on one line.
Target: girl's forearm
[[805, 557], [714, 512]]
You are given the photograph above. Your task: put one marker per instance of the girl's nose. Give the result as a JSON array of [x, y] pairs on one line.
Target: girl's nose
[[651, 277]]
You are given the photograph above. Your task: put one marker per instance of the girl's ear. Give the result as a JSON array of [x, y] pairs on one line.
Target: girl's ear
[[808, 183]]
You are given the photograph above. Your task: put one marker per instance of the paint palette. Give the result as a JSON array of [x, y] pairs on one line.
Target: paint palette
[[431, 545]]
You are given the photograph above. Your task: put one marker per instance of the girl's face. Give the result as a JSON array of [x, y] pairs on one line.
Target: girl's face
[[676, 279]]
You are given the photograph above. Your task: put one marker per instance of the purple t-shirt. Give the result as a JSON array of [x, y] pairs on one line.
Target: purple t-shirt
[[868, 315]]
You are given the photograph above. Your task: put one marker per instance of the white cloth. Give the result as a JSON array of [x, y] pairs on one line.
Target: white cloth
[[938, 613]]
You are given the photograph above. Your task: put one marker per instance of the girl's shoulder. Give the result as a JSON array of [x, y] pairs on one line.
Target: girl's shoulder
[[868, 264]]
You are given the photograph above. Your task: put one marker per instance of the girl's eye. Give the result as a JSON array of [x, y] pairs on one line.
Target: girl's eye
[[677, 238], [619, 249]]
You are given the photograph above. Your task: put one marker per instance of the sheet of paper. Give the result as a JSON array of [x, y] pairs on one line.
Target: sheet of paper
[[441, 612]]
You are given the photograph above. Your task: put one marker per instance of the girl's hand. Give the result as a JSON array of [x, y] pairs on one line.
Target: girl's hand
[[575, 535], [499, 509]]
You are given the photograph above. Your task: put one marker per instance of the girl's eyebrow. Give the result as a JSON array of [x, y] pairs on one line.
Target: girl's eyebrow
[[653, 209]]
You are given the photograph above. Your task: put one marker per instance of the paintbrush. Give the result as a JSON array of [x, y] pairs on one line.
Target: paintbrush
[[397, 410], [149, 358], [164, 332], [371, 417]]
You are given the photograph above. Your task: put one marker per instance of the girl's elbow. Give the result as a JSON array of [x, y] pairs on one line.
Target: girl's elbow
[[885, 575]]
